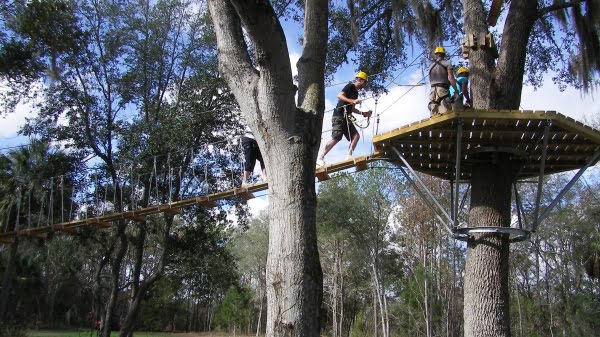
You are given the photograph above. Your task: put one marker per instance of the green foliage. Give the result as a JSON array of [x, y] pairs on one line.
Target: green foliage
[[28, 176], [235, 311], [360, 326], [12, 330], [552, 292], [134, 89], [163, 310]]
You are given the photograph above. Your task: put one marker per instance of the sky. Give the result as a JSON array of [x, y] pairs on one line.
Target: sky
[[400, 106], [407, 104]]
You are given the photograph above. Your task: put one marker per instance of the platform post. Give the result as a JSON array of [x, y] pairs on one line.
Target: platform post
[[540, 187], [459, 125]]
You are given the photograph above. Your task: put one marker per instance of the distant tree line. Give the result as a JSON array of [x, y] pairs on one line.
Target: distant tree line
[[130, 108]]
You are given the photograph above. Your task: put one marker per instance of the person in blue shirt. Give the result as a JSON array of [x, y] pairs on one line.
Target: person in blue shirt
[[462, 84]]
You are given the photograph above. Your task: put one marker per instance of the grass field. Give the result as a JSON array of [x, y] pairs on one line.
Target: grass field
[[87, 333]]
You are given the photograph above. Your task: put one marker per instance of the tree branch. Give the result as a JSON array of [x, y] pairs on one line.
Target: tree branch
[[235, 61], [546, 10], [269, 42]]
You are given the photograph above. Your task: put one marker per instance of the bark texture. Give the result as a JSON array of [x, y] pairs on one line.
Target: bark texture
[[495, 85], [499, 85], [486, 294], [289, 138]]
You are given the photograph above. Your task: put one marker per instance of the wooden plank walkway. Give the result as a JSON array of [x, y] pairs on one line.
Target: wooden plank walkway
[[173, 208], [429, 146]]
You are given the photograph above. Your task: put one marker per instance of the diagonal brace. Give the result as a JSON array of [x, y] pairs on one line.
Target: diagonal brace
[[564, 191], [420, 187]]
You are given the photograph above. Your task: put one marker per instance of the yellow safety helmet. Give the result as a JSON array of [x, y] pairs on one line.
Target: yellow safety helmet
[[362, 75], [440, 50], [462, 70]]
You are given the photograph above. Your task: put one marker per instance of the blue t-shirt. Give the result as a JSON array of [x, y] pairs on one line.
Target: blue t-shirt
[[459, 82]]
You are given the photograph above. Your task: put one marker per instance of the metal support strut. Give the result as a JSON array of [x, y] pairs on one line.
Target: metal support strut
[[564, 191], [420, 187]]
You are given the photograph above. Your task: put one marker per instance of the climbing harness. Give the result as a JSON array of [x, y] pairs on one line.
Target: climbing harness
[[358, 124]]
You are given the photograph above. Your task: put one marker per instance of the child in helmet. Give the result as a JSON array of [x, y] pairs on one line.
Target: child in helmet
[[462, 83]]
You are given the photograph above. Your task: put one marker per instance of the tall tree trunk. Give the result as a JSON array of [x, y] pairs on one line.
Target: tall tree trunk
[[115, 280], [289, 139], [260, 311], [7, 278], [495, 86], [486, 294], [140, 286], [342, 288], [499, 86], [334, 290]]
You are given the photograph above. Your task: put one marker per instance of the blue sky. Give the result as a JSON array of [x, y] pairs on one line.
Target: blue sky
[[399, 107], [404, 105]]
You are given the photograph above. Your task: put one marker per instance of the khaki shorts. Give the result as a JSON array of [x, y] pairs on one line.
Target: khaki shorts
[[437, 104]]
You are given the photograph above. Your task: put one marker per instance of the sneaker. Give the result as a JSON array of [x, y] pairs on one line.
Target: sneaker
[[320, 162]]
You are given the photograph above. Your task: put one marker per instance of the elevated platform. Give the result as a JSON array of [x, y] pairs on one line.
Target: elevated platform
[[430, 145], [445, 146]]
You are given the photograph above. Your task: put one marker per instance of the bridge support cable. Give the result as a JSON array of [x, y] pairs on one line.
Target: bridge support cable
[[422, 189], [565, 189], [51, 202], [71, 203]]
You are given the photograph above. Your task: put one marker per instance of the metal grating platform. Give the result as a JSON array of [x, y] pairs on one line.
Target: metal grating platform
[[430, 145]]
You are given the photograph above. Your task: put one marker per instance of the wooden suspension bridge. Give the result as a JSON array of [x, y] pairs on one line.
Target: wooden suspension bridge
[[446, 146]]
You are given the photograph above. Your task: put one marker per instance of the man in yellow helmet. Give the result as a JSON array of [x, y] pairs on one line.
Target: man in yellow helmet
[[441, 78], [340, 121]]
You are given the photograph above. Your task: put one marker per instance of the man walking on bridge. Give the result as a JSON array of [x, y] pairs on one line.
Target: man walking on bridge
[[341, 121]]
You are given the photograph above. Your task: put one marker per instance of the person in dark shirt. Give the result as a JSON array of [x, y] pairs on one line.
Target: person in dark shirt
[[341, 125], [251, 155]]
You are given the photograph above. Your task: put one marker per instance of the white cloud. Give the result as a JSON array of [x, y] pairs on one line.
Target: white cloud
[[405, 104], [294, 57], [14, 120], [569, 102], [258, 204]]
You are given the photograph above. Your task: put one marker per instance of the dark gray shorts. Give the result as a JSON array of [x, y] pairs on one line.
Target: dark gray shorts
[[340, 126]]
